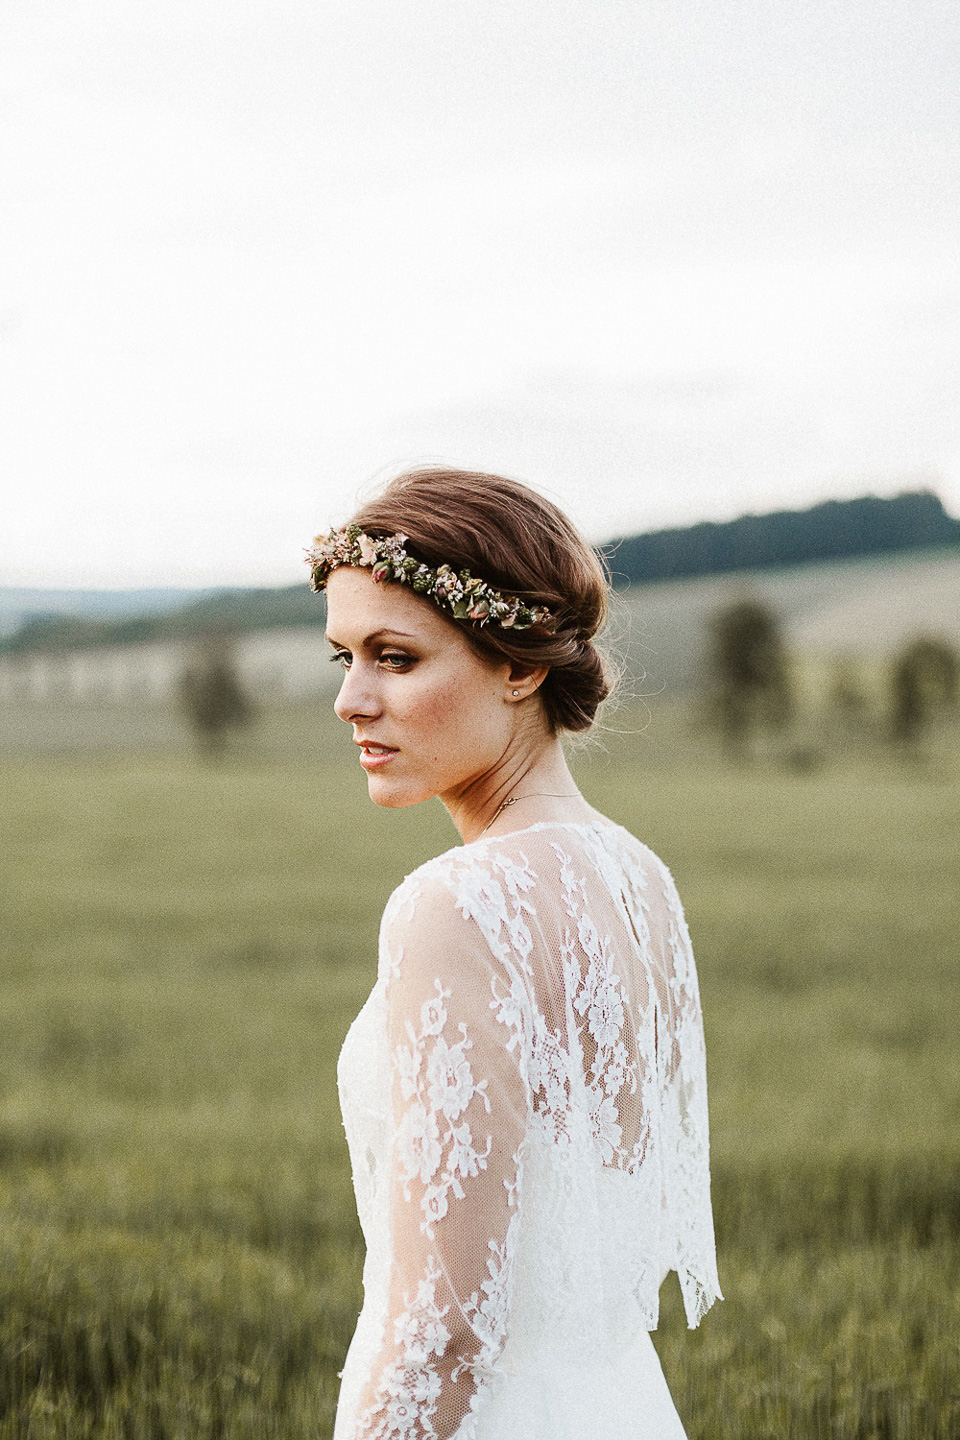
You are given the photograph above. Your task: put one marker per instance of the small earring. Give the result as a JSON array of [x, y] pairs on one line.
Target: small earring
[[515, 694]]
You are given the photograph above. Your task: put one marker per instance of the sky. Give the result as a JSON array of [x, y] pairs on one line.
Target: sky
[[664, 259]]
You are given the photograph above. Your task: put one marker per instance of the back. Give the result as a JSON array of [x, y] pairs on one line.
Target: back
[[547, 1141], [587, 924]]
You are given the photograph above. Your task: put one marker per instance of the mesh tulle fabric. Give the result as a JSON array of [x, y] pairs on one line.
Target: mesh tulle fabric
[[524, 1095]]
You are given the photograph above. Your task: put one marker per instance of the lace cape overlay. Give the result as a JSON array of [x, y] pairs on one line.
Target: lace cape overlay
[[525, 1101]]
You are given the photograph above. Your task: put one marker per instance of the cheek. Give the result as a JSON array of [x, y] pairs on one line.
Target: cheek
[[473, 719], [440, 720], [457, 718]]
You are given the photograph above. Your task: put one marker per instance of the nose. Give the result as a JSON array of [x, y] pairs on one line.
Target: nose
[[356, 698]]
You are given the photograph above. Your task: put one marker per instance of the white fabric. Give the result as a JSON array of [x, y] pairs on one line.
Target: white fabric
[[524, 1096]]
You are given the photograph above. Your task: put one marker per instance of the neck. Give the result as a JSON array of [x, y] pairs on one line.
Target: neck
[[538, 785]]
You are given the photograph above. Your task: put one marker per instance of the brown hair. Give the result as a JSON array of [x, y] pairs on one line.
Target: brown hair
[[520, 543]]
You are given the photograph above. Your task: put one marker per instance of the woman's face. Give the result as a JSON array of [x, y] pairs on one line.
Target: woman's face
[[430, 714]]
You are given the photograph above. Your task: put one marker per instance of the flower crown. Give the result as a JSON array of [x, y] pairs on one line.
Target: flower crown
[[466, 597]]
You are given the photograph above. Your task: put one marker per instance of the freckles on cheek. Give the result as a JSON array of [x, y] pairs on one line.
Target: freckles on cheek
[[443, 704], [447, 716], [431, 716]]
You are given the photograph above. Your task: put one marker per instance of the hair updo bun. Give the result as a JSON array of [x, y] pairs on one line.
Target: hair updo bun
[[519, 543]]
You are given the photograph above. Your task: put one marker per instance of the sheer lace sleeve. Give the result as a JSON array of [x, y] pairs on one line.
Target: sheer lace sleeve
[[682, 1069], [459, 1106]]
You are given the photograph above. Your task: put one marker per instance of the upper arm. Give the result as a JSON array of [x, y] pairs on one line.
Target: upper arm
[[459, 1108]]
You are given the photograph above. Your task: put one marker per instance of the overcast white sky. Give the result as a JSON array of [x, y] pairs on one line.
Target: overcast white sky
[[667, 259]]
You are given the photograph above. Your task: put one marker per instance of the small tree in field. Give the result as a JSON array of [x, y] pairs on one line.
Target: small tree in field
[[750, 672], [211, 694], [924, 679], [848, 707]]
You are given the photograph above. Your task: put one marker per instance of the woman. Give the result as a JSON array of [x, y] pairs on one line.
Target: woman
[[524, 1091]]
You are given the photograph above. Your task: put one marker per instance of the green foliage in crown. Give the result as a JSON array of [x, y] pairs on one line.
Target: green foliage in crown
[[464, 595]]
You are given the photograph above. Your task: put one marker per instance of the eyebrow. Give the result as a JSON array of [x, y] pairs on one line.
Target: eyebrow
[[374, 635]]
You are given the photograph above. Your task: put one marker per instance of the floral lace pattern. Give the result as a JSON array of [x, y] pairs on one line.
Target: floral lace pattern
[[437, 1084], [541, 1027]]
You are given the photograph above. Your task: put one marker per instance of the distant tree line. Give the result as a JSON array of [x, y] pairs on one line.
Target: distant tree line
[[831, 531], [237, 610]]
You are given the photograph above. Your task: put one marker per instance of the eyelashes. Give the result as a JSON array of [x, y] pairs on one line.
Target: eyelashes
[[395, 661]]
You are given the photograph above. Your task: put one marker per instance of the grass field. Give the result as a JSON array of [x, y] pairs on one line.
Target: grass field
[[184, 947]]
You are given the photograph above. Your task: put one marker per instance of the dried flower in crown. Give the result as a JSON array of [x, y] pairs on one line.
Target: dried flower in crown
[[465, 596]]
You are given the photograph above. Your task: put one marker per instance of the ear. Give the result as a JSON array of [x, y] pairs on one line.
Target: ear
[[524, 680]]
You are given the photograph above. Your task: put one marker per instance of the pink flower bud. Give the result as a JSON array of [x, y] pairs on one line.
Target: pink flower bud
[[380, 571]]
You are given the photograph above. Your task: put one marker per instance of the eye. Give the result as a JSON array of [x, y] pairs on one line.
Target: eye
[[396, 660], [341, 658]]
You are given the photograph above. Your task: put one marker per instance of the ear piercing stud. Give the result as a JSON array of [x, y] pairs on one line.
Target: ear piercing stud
[[515, 694]]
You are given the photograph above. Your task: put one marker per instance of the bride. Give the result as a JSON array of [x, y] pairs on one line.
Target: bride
[[524, 1091]]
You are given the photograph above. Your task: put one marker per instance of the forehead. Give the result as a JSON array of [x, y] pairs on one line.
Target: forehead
[[357, 606]]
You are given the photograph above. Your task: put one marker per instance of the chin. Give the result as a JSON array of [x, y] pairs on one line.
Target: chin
[[394, 797]]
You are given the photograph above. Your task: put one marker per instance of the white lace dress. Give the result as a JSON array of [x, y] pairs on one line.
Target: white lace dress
[[524, 1096]]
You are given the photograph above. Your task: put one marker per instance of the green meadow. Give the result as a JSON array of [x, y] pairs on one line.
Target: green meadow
[[185, 944]]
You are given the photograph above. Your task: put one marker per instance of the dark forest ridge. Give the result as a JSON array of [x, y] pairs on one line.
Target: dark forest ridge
[[833, 530]]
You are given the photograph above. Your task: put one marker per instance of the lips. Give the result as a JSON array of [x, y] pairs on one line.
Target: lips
[[373, 755]]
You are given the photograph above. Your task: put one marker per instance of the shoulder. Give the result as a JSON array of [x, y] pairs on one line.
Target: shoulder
[[449, 880], [643, 879], [424, 922], [646, 861], [464, 902], [522, 859], [490, 883], [438, 944], [661, 898], [430, 886]]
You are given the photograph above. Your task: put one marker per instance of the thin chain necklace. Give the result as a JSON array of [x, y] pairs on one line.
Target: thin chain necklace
[[512, 800]]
